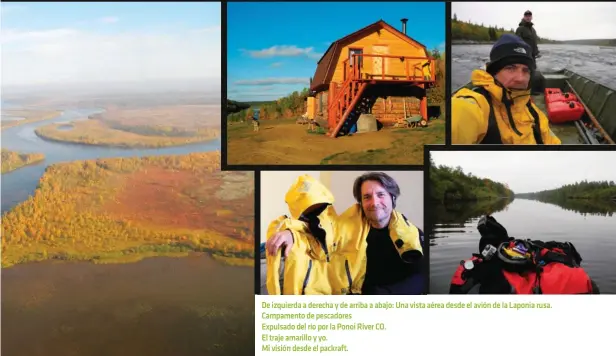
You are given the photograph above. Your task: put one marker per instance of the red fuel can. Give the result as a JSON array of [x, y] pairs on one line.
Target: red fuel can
[[561, 111], [561, 97], [551, 91]]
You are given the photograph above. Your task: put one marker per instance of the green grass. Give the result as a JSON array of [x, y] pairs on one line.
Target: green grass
[[400, 152], [318, 131]]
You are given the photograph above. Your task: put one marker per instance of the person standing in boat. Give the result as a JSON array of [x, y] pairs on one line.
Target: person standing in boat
[[498, 109], [527, 32]]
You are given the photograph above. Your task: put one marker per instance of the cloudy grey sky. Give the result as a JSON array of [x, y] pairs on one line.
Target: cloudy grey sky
[[532, 171], [553, 20]]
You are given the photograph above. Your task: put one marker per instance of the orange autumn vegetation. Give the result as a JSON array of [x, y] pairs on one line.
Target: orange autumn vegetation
[[13, 160], [120, 209], [100, 133]]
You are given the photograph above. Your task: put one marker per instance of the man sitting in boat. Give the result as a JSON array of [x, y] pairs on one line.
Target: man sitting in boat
[[499, 110], [372, 249], [507, 265]]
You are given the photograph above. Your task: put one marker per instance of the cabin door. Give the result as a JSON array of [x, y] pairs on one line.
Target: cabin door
[[355, 61], [379, 64]]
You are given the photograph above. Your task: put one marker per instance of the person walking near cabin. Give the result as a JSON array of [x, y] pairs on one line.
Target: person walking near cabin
[[255, 121], [499, 109], [527, 33]]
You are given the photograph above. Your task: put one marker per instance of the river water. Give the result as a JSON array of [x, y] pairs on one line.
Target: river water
[[17, 185], [589, 226], [591, 62]]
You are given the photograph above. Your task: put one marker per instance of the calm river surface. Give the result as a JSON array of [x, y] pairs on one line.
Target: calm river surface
[[590, 228]]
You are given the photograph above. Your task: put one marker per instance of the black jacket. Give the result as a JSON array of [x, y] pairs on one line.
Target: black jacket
[[527, 32]]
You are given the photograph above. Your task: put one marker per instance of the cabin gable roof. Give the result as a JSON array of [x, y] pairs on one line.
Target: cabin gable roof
[[327, 64]]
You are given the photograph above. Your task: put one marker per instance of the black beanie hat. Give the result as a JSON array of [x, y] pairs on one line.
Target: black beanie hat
[[509, 49]]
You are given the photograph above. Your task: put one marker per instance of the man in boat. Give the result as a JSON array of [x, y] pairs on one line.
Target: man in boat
[[506, 265], [527, 32], [499, 109], [376, 249]]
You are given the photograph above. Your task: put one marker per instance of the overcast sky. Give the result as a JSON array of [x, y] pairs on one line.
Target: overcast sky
[[553, 20], [61, 43], [532, 171]]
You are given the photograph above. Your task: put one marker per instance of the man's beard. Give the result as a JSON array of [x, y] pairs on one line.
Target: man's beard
[[377, 216]]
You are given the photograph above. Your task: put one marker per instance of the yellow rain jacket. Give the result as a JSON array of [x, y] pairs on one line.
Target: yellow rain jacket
[[306, 267], [470, 113], [426, 69], [352, 229], [339, 267]]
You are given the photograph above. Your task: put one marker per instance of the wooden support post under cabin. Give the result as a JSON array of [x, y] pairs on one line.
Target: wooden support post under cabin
[[331, 113], [423, 107]]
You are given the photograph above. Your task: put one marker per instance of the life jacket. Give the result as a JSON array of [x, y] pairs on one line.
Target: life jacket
[[545, 268], [493, 135]]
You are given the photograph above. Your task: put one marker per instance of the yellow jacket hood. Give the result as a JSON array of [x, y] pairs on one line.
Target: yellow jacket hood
[[305, 192]]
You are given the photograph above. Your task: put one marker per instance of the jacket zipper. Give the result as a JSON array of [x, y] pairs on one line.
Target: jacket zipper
[[307, 275], [348, 272], [324, 245]]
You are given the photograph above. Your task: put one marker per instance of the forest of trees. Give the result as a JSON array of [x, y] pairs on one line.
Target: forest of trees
[[466, 30], [68, 217], [452, 184], [290, 106], [12, 160], [236, 106], [600, 190], [436, 95]]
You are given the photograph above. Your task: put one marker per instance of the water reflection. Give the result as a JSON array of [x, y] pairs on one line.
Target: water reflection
[[454, 216], [460, 212], [588, 224], [585, 207]]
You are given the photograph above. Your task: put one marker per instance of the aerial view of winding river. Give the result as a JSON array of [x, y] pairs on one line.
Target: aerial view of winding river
[[121, 235]]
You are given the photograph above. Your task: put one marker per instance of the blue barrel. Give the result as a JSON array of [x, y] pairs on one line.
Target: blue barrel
[[353, 128]]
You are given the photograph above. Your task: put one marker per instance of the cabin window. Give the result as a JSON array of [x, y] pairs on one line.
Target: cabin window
[[353, 51]]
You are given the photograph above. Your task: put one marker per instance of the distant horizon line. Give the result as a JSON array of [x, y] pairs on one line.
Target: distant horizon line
[[124, 82]]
